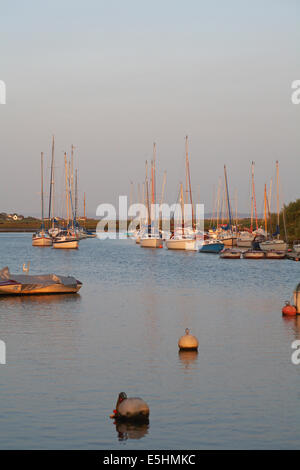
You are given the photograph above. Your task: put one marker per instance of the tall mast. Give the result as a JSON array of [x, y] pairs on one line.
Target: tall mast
[[67, 192], [265, 207], [76, 194], [51, 191], [182, 208], [277, 187], [147, 195], [253, 195], [42, 188], [228, 199], [189, 178]]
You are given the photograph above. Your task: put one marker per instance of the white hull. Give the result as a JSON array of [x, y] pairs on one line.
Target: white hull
[[181, 244], [151, 242], [67, 244], [41, 241], [273, 245], [231, 241], [244, 243]]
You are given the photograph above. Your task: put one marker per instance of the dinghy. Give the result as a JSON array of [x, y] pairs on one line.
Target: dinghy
[[21, 284]]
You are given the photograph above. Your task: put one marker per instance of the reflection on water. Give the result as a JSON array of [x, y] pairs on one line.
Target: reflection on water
[[39, 299], [293, 324], [188, 358], [69, 355], [127, 430]]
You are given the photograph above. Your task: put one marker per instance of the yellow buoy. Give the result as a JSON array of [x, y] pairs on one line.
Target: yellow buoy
[[188, 341]]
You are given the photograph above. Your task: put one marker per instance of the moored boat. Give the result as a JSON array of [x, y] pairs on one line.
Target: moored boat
[[211, 246], [151, 242], [25, 284], [275, 254], [228, 253], [253, 254], [41, 239], [273, 245]]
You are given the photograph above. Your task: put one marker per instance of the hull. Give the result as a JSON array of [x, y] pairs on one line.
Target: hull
[[273, 245], [66, 244], [151, 242], [211, 248], [181, 244], [275, 255], [41, 241], [138, 240], [227, 254], [232, 241], [20, 289], [244, 243], [254, 255]]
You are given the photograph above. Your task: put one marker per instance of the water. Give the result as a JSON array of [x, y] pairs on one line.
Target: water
[[69, 356]]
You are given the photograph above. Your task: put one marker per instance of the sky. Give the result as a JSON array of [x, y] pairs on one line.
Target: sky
[[112, 77]]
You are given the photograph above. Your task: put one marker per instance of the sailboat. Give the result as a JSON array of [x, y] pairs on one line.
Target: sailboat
[[41, 238], [67, 239], [184, 238], [275, 244], [246, 238], [151, 239], [227, 236]]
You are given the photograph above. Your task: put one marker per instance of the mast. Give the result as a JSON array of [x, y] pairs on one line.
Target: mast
[[147, 196], [253, 196], [51, 191], [265, 207], [66, 184], [182, 208], [42, 189], [218, 202], [228, 199], [277, 187], [189, 178], [84, 216], [76, 195]]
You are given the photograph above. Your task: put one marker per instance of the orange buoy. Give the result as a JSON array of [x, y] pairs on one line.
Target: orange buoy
[[289, 310]]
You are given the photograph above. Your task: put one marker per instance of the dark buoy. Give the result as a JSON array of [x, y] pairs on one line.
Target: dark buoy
[[289, 310], [188, 342], [132, 409]]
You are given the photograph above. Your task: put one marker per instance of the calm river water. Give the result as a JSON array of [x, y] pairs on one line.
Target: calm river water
[[69, 356]]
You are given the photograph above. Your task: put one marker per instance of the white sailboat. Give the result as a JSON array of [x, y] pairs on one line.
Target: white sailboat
[[274, 244], [41, 238], [183, 238], [67, 239], [151, 239]]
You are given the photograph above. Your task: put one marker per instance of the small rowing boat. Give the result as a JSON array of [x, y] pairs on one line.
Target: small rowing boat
[[228, 253], [25, 284]]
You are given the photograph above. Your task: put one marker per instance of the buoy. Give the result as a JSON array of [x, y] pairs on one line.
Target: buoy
[[188, 342], [289, 310], [133, 409]]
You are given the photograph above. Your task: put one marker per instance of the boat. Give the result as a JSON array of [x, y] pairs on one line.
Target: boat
[[296, 246], [272, 254], [41, 238], [211, 246], [151, 241], [184, 238], [25, 284], [273, 244], [151, 238], [245, 240], [253, 254], [228, 253], [65, 240]]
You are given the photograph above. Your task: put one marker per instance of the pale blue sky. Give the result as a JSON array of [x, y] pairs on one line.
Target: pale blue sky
[[111, 77]]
